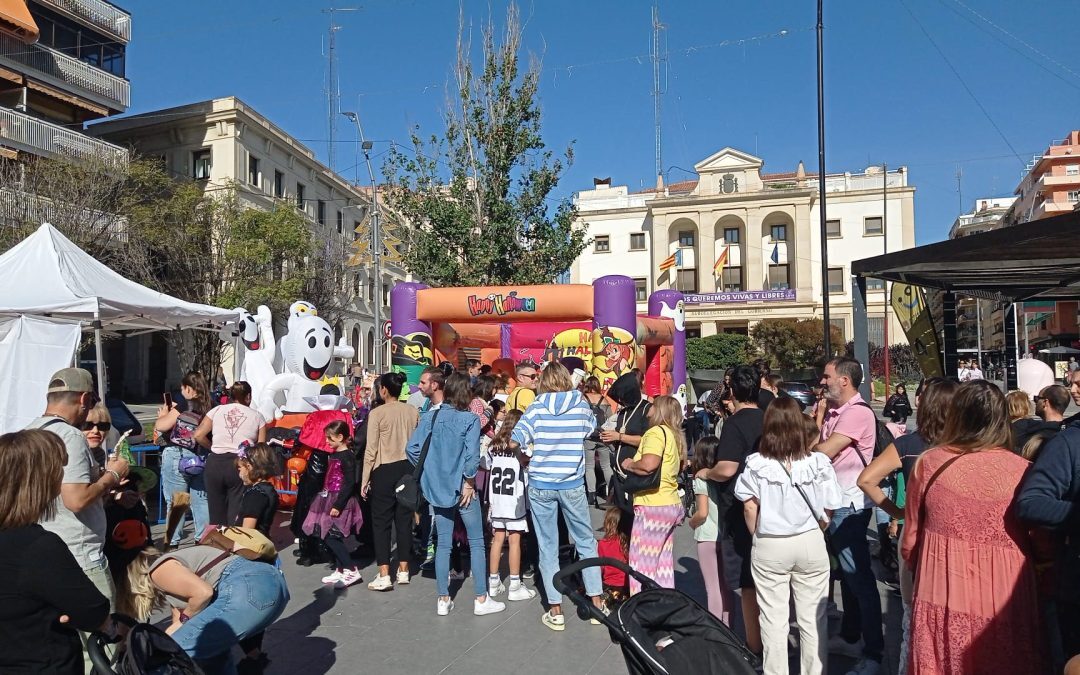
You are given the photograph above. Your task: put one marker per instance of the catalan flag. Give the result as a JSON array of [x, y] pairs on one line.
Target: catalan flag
[[673, 260], [721, 261]]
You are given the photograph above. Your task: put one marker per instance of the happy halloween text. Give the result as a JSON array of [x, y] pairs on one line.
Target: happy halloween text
[[500, 305]]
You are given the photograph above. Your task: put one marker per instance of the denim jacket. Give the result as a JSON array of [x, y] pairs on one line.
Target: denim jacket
[[454, 454]]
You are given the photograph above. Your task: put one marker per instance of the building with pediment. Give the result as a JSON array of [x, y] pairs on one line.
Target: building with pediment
[[747, 244]]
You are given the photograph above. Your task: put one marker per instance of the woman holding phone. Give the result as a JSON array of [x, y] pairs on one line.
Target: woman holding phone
[[181, 458]]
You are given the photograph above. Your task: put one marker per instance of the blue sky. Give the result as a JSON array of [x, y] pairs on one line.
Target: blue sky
[[732, 80]]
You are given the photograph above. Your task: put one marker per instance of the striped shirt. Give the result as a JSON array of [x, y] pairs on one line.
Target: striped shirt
[[552, 432]]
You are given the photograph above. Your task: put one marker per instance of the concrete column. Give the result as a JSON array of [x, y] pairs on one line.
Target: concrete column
[[799, 260], [753, 268], [860, 332], [705, 258], [659, 253], [708, 328]]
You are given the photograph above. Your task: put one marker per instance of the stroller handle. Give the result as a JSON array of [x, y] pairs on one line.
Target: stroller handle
[[579, 599], [95, 646]]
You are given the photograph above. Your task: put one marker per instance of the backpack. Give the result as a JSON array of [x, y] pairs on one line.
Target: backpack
[[882, 436]]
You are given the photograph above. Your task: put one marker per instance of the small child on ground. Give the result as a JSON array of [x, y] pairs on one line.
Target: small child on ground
[[335, 512], [257, 465], [706, 531], [508, 508], [615, 544]]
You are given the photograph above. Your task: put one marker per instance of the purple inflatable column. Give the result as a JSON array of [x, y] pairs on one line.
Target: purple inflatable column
[[614, 328], [504, 341], [669, 303], [410, 338]]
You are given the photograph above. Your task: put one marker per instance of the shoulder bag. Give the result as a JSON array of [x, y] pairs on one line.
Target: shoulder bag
[[407, 491], [634, 483]]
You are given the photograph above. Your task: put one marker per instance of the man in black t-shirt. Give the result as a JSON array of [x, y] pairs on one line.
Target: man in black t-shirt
[[738, 440]]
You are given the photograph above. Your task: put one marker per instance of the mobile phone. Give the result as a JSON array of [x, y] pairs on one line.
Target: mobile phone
[[168, 400]]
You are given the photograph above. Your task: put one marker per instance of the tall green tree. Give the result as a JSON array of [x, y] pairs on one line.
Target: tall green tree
[[717, 352], [793, 344], [477, 199]]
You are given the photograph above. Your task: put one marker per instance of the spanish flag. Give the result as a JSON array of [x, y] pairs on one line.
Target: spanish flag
[[673, 260], [721, 261]]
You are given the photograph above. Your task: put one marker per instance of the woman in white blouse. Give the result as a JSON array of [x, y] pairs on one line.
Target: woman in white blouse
[[788, 492]]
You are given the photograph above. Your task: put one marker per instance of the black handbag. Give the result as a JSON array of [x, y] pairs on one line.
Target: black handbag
[[633, 483], [407, 491]]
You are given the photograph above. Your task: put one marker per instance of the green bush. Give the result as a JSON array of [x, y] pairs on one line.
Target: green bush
[[717, 352]]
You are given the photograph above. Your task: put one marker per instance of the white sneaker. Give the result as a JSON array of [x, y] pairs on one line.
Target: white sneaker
[[497, 589], [838, 645], [348, 578], [332, 578], [553, 621], [381, 583], [489, 606], [443, 607], [520, 592], [866, 667], [403, 577]]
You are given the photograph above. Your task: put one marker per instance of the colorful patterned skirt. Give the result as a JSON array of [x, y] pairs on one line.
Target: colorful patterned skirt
[[651, 543], [319, 522]]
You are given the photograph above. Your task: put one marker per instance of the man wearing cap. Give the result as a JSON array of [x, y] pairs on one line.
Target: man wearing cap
[[80, 509]]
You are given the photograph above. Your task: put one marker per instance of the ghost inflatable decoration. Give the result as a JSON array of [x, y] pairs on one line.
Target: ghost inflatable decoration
[[297, 311], [310, 353], [258, 366], [676, 314]]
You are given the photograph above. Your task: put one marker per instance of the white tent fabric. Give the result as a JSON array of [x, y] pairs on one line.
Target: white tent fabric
[[31, 350], [48, 275]]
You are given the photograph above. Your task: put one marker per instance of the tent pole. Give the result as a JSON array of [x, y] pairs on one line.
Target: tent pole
[[100, 355], [236, 358]]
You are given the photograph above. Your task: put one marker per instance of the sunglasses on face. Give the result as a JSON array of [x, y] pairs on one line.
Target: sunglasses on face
[[528, 375], [103, 427]]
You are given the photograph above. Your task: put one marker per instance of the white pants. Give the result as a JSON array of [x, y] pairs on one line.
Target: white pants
[[782, 566]]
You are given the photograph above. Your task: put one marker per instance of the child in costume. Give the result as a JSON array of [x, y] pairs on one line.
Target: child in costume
[[335, 512]]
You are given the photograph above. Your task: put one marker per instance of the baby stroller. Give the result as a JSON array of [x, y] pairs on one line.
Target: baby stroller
[[145, 650], [661, 631]]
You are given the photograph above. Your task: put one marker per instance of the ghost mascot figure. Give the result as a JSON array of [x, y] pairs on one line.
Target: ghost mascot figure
[[258, 349], [309, 353]]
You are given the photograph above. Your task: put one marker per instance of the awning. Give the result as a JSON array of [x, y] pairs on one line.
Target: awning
[[1035, 319], [15, 18]]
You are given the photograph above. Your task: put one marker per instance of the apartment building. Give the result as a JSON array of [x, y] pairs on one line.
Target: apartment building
[[226, 144], [764, 230]]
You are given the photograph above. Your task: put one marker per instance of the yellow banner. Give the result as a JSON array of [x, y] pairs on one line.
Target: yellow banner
[[909, 304]]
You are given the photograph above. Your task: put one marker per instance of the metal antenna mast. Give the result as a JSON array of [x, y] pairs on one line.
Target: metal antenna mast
[[333, 86], [659, 56]]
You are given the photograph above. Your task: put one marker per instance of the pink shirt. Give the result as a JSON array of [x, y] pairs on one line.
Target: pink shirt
[[233, 424], [859, 423]]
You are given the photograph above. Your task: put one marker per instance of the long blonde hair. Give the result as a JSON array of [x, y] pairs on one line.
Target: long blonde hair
[[136, 595], [667, 411]]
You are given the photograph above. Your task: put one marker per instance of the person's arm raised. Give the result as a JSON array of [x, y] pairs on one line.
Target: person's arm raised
[[879, 469]]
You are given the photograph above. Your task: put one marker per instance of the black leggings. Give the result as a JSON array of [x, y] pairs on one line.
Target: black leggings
[[337, 546], [387, 513], [224, 488]]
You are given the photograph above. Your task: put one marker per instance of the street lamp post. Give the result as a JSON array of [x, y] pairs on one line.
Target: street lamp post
[[885, 250], [821, 181], [376, 243]]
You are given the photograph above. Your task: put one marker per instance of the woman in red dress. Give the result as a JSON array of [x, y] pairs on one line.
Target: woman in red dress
[[975, 605]]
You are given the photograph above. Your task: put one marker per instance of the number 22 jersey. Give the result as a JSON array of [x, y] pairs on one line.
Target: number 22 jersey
[[507, 480]]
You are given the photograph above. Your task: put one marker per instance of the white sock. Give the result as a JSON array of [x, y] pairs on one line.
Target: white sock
[[515, 581], [494, 580]]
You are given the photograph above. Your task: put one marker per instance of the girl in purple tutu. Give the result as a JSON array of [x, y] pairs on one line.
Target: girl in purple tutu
[[335, 512]]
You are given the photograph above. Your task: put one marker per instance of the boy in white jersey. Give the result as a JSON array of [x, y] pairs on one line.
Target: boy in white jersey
[[507, 508]]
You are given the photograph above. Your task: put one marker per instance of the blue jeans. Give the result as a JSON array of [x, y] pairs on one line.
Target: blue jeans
[[474, 526], [545, 506], [172, 480], [249, 597], [862, 604]]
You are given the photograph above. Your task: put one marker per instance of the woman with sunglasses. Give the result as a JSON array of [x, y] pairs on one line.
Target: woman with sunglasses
[[181, 465]]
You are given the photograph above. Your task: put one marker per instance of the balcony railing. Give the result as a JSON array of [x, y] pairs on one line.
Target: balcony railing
[[45, 138], [101, 14], [114, 91], [19, 208]]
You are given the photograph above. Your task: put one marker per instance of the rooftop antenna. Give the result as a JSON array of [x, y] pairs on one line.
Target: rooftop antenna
[[333, 86], [659, 58], [959, 186]]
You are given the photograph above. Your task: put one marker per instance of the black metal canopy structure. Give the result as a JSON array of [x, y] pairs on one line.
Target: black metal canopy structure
[[1036, 260]]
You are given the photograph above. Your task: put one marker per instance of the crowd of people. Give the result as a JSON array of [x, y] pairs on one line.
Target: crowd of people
[[979, 496]]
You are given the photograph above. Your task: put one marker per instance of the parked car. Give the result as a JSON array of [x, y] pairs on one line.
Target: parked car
[[801, 392]]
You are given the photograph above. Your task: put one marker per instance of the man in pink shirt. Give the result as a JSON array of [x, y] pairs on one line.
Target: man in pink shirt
[[848, 430]]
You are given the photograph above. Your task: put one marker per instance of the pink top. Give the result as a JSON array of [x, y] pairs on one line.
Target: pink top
[[858, 423], [233, 424], [477, 407]]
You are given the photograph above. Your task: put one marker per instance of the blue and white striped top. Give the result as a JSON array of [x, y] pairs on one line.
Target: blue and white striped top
[[552, 432]]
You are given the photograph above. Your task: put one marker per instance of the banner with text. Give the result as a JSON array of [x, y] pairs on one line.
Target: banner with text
[[739, 296]]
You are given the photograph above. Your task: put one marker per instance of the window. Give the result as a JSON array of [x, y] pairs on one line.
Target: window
[[693, 332], [731, 279], [356, 227], [254, 178], [873, 284], [731, 235], [320, 210], [355, 284], [602, 244], [873, 225], [836, 280], [687, 281], [778, 232], [1072, 169], [200, 164], [300, 197], [875, 330], [385, 294], [1074, 196], [641, 290], [832, 229], [778, 277], [686, 239], [279, 185], [637, 241], [841, 327], [371, 289]]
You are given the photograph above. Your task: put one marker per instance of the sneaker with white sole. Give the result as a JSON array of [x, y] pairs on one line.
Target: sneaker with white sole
[[597, 622], [497, 589], [520, 592], [866, 667], [443, 607], [554, 621], [403, 577], [348, 578], [381, 583], [838, 645], [489, 606], [332, 578]]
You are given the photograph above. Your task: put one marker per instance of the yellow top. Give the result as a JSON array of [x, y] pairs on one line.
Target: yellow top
[[520, 399], [653, 443]]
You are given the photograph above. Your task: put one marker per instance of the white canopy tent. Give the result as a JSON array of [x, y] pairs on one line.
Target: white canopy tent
[[49, 277]]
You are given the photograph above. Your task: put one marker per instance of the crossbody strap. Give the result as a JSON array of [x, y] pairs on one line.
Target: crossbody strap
[[419, 469], [922, 502], [802, 493], [210, 565]]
